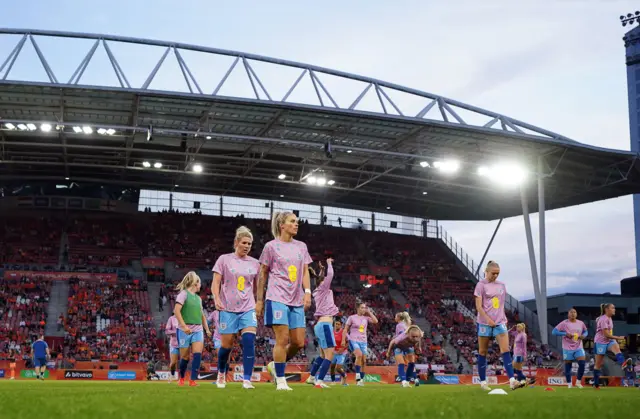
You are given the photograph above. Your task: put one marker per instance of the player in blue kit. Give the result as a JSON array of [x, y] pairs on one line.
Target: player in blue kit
[[40, 353]]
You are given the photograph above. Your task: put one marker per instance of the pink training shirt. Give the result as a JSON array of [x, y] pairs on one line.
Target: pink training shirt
[[286, 261], [403, 342], [400, 328], [493, 295], [358, 330], [570, 341], [238, 276], [520, 345], [323, 296], [603, 323], [180, 299], [171, 330], [214, 318]]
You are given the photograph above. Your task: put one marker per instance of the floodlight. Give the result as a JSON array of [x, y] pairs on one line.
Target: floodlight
[[157, 165], [197, 168], [146, 164], [282, 176], [447, 166], [45, 127], [87, 130]]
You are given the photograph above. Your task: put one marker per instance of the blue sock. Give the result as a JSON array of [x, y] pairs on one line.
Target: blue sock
[[596, 377], [183, 367], [248, 354], [223, 359], [343, 374], [521, 375], [482, 367], [333, 377], [508, 364], [410, 370], [567, 371], [357, 372], [581, 366], [317, 363], [195, 365], [401, 373], [280, 366], [326, 364], [620, 358]]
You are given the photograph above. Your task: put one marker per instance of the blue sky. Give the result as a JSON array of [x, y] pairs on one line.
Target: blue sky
[[557, 64]]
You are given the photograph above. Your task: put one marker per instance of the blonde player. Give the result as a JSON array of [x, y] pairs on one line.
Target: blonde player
[[233, 278], [490, 295], [284, 273], [191, 322], [404, 358], [405, 343]]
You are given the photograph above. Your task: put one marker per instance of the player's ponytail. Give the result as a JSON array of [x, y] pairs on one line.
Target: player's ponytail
[[604, 307], [189, 279], [405, 318], [491, 264], [412, 328], [277, 221]]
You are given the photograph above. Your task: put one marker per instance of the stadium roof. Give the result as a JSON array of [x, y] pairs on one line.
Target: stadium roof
[[250, 119]]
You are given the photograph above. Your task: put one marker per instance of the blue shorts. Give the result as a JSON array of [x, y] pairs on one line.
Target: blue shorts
[[174, 351], [399, 351], [280, 314], [185, 341], [232, 323], [486, 331], [40, 362], [572, 355], [217, 344], [338, 359], [354, 346], [602, 348], [324, 333], [518, 359]]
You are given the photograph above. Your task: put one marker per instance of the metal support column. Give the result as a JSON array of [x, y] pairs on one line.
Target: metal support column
[[170, 201], [322, 215], [543, 250], [532, 261], [493, 236], [373, 221], [221, 207]]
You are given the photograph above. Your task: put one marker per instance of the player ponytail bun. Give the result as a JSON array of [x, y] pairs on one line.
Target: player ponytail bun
[[241, 233], [277, 221]]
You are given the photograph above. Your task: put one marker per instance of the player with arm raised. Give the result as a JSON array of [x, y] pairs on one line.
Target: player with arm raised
[[356, 330]]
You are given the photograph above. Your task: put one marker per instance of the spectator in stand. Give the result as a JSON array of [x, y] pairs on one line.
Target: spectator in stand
[[286, 263]]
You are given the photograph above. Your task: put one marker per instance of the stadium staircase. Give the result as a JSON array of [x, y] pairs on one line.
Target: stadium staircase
[[159, 317], [58, 302], [460, 307], [399, 298], [64, 243]]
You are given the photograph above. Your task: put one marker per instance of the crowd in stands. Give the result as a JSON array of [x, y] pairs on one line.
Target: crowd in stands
[[23, 314], [112, 321], [109, 321]]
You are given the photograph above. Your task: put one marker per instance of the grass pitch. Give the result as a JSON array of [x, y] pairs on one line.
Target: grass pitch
[[158, 400]]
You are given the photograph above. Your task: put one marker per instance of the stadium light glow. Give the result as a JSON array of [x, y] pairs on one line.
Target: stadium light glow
[[77, 130], [282, 176], [424, 193], [111, 131], [322, 181], [197, 168], [102, 131], [331, 182], [447, 166], [311, 180], [507, 174], [22, 127], [10, 126], [424, 164], [349, 151], [87, 130], [208, 137], [157, 165], [146, 164], [31, 127], [45, 127]]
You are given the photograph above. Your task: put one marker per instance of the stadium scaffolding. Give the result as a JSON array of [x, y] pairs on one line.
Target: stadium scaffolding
[[333, 137]]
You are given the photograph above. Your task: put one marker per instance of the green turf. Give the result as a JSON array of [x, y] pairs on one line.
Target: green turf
[[156, 400]]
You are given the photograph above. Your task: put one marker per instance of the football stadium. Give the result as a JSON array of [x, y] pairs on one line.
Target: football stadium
[[234, 238]]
